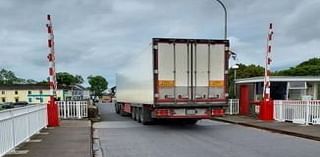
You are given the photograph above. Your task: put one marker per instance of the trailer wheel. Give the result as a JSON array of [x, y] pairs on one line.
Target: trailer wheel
[[133, 113], [138, 115], [145, 116], [122, 113], [116, 106]]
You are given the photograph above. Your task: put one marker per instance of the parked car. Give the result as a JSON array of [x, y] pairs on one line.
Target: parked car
[[7, 105], [20, 104]]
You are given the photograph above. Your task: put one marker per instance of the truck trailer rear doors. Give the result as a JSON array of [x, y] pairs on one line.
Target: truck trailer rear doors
[[189, 70]]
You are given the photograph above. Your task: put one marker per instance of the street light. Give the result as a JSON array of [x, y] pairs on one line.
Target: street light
[[235, 67], [225, 18]]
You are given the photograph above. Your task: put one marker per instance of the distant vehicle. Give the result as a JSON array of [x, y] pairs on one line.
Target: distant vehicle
[[20, 104], [7, 105], [181, 79], [10, 105]]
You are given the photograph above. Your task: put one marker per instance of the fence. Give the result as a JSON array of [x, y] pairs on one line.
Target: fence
[[233, 106], [19, 124], [297, 111], [73, 109]]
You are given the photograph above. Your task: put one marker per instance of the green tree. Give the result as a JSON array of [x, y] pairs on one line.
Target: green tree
[[244, 71], [97, 85], [8, 77], [79, 79], [68, 79], [310, 67]]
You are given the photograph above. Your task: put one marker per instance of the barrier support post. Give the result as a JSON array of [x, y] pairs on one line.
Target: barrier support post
[[266, 110], [53, 115]]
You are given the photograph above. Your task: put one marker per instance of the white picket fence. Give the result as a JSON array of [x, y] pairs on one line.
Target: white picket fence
[[297, 111], [233, 107], [73, 109], [19, 124]]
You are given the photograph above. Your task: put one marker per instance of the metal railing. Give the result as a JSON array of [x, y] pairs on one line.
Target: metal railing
[[73, 109], [297, 111], [19, 124], [233, 107]]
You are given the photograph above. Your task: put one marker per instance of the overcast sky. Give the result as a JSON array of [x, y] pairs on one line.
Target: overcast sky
[[100, 36]]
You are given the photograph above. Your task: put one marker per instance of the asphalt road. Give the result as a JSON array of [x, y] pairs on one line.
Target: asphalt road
[[123, 137]]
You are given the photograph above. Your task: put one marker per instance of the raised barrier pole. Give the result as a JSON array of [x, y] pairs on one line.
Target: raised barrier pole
[[53, 118]]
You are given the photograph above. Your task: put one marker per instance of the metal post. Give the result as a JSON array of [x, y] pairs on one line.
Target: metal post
[[234, 83], [225, 18], [234, 67], [231, 106], [307, 119]]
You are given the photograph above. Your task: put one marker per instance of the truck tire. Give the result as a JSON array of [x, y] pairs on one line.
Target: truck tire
[[136, 113], [122, 113], [138, 117], [145, 116], [133, 113], [116, 106]]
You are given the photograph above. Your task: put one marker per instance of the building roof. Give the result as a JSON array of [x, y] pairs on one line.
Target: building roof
[[29, 87], [279, 79]]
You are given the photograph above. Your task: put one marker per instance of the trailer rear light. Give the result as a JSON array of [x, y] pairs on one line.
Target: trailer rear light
[[217, 112], [163, 112]]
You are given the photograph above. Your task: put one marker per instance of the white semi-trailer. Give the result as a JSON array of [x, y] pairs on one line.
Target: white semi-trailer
[[183, 79]]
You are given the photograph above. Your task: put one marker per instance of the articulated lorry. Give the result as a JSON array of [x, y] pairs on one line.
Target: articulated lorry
[[181, 79]]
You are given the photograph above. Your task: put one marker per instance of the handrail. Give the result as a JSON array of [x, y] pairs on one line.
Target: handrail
[[19, 124]]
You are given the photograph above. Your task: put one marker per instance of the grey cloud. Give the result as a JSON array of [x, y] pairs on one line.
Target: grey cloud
[[101, 36], [303, 23]]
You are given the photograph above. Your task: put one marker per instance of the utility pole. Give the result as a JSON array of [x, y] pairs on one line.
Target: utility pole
[[225, 19]]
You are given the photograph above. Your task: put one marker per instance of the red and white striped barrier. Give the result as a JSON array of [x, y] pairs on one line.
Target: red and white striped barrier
[[51, 58], [267, 72], [53, 119]]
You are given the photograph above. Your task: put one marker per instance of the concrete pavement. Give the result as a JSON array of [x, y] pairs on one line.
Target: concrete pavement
[[121, 136], [310, 131], [71, 139]]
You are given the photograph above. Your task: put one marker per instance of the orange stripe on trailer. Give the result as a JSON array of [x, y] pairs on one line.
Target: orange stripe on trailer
[[216, 83], [166, 83]]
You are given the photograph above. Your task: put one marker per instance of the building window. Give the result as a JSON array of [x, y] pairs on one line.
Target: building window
[[29, 92], [3, 92], [40, 92], [296, 90], [3, 99], [30, 99], [16, 92], [16, 99]]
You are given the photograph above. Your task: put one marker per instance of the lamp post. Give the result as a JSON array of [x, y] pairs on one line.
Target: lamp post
[[225, 18], [235, 67]]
